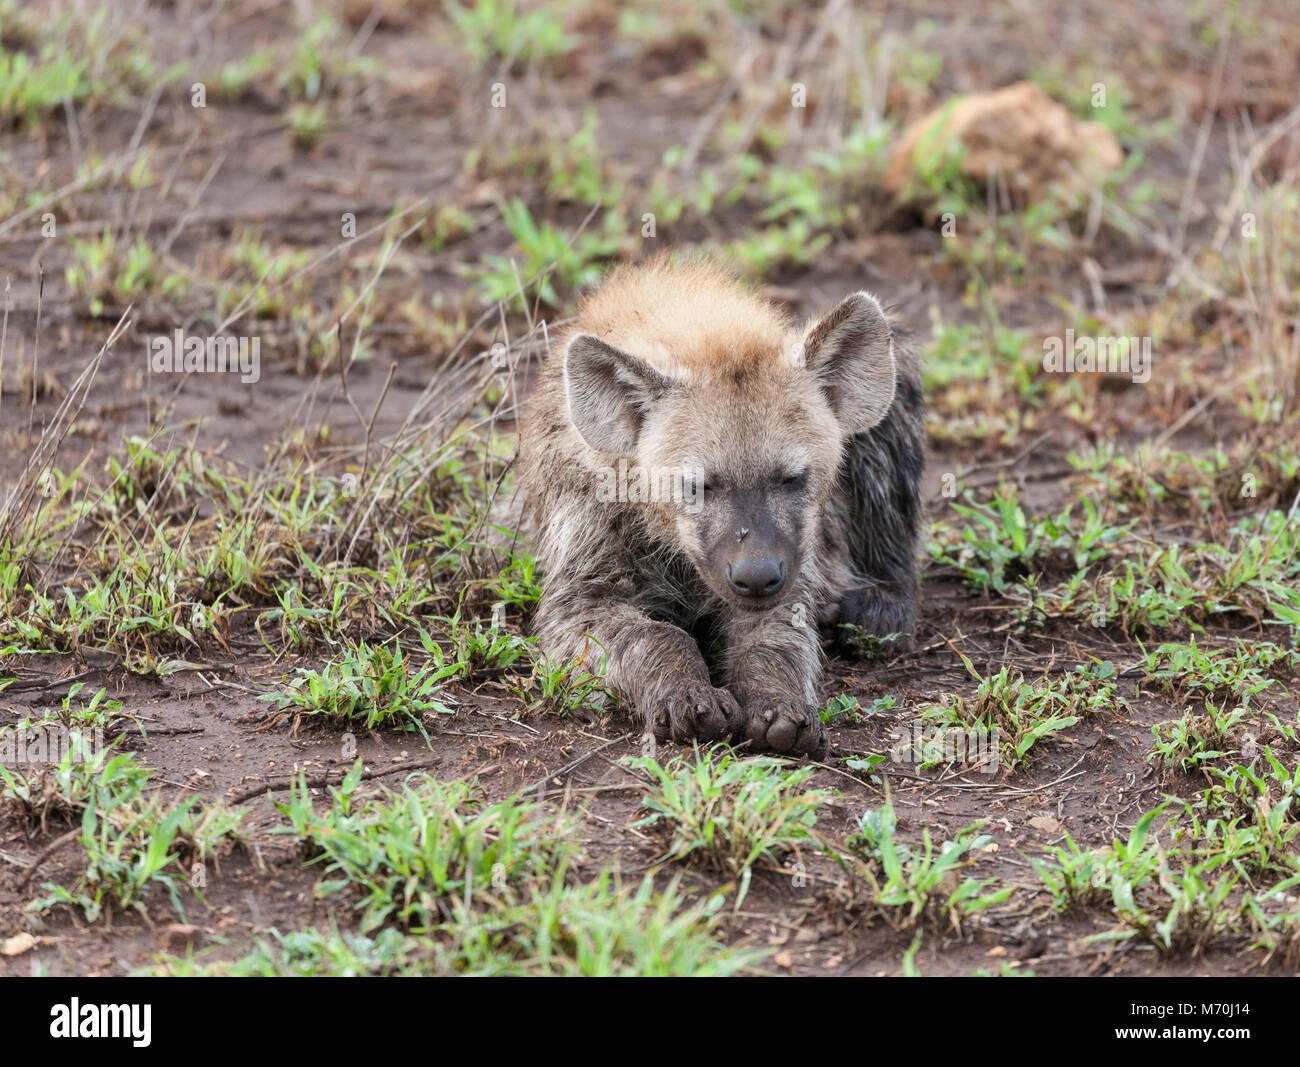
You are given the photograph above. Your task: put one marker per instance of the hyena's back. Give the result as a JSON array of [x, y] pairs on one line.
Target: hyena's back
[[876, 515]]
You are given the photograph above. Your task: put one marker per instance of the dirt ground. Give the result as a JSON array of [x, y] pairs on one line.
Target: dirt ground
[[394, 137]]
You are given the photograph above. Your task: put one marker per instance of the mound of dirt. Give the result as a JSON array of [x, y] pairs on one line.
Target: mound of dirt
[[1018, 132]]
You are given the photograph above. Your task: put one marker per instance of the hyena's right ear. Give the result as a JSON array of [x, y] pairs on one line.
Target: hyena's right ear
[[609, 392], [851, 350]]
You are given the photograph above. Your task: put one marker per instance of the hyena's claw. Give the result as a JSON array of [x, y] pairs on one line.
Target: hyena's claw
[[760, 718], [812, 740], [789, 728], [699, 711]]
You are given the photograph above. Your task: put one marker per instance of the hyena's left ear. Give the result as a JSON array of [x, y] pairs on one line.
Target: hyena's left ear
[[851, 350], [609, 393]]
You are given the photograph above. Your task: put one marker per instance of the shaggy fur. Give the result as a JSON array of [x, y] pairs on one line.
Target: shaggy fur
[[802, 452]]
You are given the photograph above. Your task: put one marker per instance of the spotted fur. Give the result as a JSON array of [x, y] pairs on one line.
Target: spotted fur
[[801, 450]]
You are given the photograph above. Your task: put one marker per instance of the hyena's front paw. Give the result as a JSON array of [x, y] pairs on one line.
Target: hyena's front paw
[[789, 727], [695, 710], [876, 611]]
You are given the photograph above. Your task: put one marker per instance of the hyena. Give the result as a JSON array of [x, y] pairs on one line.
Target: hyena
[[800, 452]]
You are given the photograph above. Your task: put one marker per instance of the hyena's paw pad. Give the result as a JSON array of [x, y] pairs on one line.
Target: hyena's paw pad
[[794, 729], [698, 711]]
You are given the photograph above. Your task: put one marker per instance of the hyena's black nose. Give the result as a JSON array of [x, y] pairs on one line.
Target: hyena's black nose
[[756, 576]]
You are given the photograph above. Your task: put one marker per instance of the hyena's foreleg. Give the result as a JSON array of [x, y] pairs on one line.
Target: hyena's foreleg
[[655, 667], [774, 664]]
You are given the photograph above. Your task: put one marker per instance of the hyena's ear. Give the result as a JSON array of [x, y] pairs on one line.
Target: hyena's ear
[[609, 392], [851, 350]]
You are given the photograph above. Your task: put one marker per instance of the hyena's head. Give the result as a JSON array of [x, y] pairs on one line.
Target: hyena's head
[[756, 437]]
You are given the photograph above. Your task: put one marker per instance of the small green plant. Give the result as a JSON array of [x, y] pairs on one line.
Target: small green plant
[[1194, 740], [730, 813], [235, 78], [476, 648], [518, 584], [132, 842], [60, 794], [910, 884], [134, 846], [1020, 713], [321, 61], [917, 68], [790, 244], [101, 712], [268, 283], [310, 953], [876, 829], [960, 354], [868, 646], [29, 88], [505, 30], [937, 173], [1274, 922], [592, 928], [599, 928], [106, 268], [843, 707], [562, 689], [1189, 669], [999, 544], [1072, 875], [308, 122], [415, 856], [552, 260], [576, 171], [371, 685]]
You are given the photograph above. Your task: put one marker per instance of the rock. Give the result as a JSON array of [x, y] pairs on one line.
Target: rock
[[18, 944], [1019, 132]]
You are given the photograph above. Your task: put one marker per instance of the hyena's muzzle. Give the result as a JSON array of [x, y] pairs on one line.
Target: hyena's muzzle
[[754, 556]]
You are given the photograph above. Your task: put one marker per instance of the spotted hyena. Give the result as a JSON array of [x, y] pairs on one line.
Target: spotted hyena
[[708, 486]]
